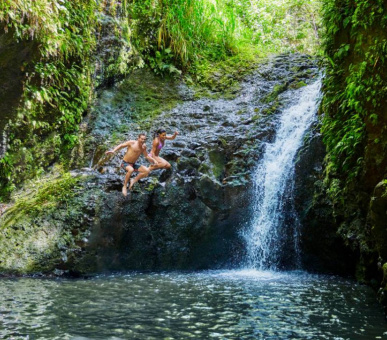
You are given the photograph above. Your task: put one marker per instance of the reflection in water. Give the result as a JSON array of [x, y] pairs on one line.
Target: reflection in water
[[209, 305]]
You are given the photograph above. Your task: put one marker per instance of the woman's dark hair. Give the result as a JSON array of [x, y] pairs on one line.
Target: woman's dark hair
[[159, 132]]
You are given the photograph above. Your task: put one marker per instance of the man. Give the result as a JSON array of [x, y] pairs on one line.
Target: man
[[134, 150]]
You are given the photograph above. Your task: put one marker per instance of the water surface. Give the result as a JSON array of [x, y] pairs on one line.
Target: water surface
[[205, 305]]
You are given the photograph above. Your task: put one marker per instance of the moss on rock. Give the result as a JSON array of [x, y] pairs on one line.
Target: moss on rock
[[32, 239]]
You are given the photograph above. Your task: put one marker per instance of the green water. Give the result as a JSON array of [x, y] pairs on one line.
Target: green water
[[205, 305]]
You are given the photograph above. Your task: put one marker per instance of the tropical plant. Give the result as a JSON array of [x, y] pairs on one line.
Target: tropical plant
[[169, 36]]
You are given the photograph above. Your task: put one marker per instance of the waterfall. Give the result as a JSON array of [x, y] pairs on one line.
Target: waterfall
[[273, 181]]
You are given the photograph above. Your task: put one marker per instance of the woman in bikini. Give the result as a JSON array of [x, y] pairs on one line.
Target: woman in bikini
[[158, 143]]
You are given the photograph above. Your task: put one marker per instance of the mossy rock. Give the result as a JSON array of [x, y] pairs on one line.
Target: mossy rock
[[297, 85], [272, 108], [218, 163], [382, 293], [145, 95], [36, 228], [277, 90]]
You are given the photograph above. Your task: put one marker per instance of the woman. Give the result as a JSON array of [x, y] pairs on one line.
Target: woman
[[158, 143]]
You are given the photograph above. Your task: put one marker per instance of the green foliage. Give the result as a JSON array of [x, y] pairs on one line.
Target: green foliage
[[186, 30], [203, 39], [162, 63], [152, 184], [55, 24], [58, 86], [223, 76], [211, 31], [282, 25], [5, 176], [355, 87], [42, 195]]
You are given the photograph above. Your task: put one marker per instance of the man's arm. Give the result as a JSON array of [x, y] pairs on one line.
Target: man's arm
[[172, 137], [118, 147]]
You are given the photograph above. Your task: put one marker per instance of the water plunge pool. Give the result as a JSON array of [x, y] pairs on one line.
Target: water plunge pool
[[240, 304]]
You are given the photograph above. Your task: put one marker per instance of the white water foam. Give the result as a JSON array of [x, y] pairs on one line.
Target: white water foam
[[272, 179]]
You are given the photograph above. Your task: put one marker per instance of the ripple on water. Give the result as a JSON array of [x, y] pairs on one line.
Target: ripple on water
[[244, 304]]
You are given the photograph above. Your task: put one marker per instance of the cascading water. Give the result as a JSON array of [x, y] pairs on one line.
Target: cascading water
[[273, 178]]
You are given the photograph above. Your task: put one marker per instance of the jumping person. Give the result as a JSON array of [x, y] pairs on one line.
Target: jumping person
[[158, 142], [134, 150]]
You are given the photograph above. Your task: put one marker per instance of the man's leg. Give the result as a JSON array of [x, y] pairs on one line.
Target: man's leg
[[143, 172], [129, 170]]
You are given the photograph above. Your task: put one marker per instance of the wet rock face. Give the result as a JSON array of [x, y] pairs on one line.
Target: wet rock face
[[378, 218], [191, 216], [168, 227], [323, 250]]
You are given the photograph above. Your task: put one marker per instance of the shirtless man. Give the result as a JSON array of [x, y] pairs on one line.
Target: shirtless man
[[134, 150]]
